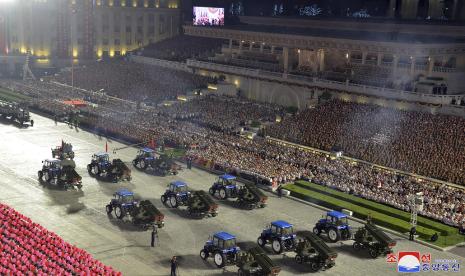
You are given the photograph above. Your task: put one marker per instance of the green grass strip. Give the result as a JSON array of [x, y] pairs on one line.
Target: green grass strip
[[381, 208]]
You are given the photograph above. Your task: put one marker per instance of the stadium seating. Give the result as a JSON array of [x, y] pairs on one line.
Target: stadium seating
[[27, 248]]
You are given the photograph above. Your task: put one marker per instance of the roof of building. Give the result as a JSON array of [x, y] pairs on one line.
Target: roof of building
[[337, 214], [227, 177], [124, 192], [281, 224], [345, 34], [224, 236]]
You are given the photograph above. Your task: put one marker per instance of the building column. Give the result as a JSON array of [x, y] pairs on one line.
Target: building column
[[430, 65], [380, 59], [435, 8], [412, 65], [364, 57], [230, 44], [272, 49], [261, 47], [321, 59], [286, 59], [391, 13], [409, 9], [394, 65], [240, 46], [250, 46], [455, 14]]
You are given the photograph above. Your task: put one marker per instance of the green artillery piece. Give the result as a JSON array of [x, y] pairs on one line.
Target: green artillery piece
[[147, 215], [15, 112], [201, 204], [314, 251], [251, 197], [255, 262], [373, 239]]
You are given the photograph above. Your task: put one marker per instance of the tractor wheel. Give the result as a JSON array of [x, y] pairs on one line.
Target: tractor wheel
[[314, 266], [277, 246], [89, 169], [211, 191], [316, 231], [109, 209], [298, 259], [163, 199], [357, 246], [40, 174], [47, 177], [223, 194], [119, 213], [219, 259], [261, 241], [373, 253], [334, 234], [203, 254], [79, 186], [96, 170], [173, 202], [143, 164]]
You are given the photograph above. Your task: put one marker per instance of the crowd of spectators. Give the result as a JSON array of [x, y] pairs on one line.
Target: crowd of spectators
[[422, 143], [27, 247], [133, 81], [182, 47], [371, 133]]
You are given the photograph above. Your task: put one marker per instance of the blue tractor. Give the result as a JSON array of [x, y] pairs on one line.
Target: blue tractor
[[177, 194], [335, 225], [122, 203], [115, 170], [100, 164], [145, 158], [61, 173], [280, 234], [225, 187], [222, 247]]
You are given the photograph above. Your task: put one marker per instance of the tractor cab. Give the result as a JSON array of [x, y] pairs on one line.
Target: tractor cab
[[336, 218], [282, 228], [225, 242], [178, 187], [146, 153], [124, 197], [53, 164], [101, 158], [226, 180]]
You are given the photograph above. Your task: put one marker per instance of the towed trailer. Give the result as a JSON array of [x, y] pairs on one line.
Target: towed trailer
[[312, 250], [374, 239], [254, 262]]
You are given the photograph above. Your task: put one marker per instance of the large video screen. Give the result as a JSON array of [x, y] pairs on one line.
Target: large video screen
[[208, 16]]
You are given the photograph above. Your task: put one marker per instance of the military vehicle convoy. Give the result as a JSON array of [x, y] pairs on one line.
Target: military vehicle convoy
[[60, 172], [101, 167], [280, 234], [246, 195], [374, 239], [198, 203], [162, 164], [143, 214], [254, 262], [335, 225], [65, 151], [312, 250], [15, 112]]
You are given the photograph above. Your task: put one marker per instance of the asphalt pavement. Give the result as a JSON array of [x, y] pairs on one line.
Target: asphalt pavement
[[80, 218]]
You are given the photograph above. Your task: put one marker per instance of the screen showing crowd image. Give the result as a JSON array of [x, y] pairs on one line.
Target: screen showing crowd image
[[208, 16]]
